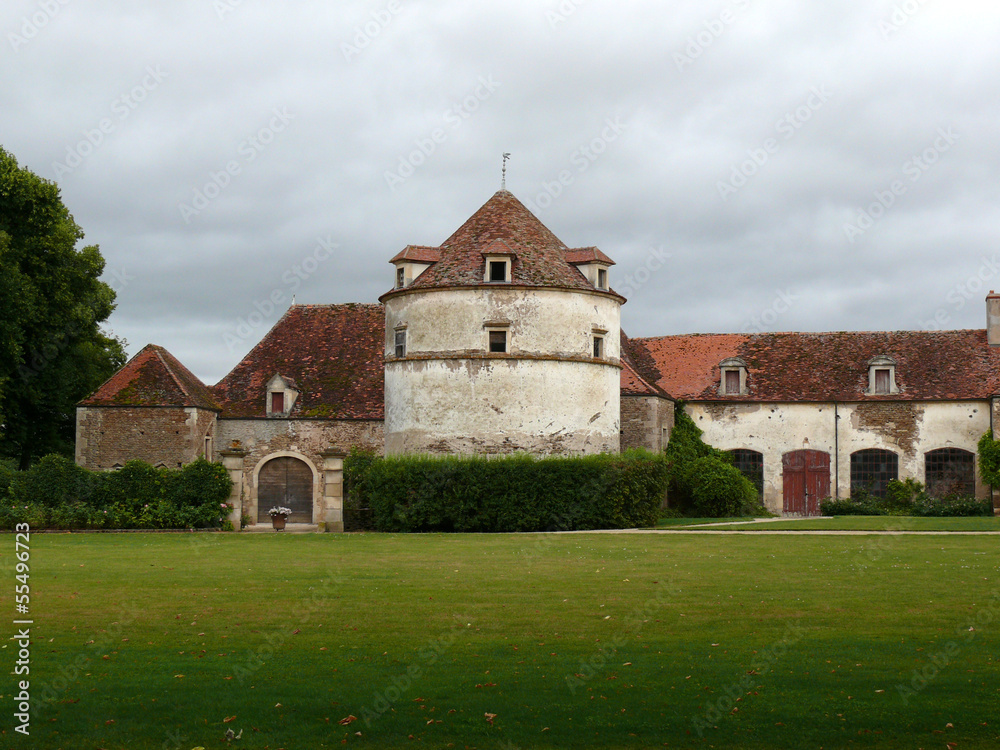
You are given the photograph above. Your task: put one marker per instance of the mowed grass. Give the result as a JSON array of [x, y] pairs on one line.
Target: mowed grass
[[875, 523], [513, 641]]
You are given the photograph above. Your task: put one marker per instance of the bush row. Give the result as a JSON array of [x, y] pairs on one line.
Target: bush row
[[703, 480], [55, 493], [906, 498], [510, 493]]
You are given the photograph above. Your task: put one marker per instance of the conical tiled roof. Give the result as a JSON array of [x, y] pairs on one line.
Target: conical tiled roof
[[503, 225], [153, 377]]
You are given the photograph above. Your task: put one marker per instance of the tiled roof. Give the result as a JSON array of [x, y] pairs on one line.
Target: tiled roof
[[153, 377], [587, 255], [632, 383], [931, 365], [333, 353], [540, 256], [418, 254]]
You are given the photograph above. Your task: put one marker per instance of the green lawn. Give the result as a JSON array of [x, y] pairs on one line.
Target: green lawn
[[520, 641], [876, 523]]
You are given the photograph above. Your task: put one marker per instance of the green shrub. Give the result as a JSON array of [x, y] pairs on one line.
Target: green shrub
[[512, 493], [57, 494], [719, 489], [905, 498], [989, 459], [684, 448], [54, 480], [849, 507]]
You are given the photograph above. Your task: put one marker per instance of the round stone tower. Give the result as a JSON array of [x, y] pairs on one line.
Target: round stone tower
[[502, 340]]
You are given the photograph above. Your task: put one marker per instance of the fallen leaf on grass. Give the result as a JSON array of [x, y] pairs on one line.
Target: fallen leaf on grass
[[228, 719], [348, 720], [490, 717]]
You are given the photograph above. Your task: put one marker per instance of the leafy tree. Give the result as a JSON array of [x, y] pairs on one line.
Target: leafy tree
[[52, 303]]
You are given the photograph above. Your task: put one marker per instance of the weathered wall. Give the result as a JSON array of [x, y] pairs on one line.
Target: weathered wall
[[108, 436], [908, 429], [263, 439], [647, 422], [547, 395]]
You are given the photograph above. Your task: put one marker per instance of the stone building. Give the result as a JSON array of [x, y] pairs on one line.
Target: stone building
[[503, 339], [500, 340]]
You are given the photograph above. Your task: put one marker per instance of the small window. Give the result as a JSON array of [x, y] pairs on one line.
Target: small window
[[733, 382], [498, 270], [400, 277], [277, 403], [498, 341], [400, 343], [882, 381], [602, 279], [208, 448], [598, 347]]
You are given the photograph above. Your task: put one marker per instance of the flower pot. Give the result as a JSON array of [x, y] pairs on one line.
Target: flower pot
[[278, 522]]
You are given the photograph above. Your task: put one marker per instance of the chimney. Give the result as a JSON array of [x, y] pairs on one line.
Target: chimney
[[993, 318]]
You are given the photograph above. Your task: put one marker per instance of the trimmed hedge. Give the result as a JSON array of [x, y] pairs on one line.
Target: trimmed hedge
[[55, 493], [906, 498], [510, 493]]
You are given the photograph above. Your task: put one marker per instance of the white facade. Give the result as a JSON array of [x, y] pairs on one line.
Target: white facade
[[547, 393]]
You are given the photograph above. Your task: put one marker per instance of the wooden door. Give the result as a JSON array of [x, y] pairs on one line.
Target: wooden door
[[285, 482], [806, 481]]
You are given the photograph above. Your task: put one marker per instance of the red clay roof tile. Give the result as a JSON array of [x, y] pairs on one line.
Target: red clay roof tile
[[153, 377], [931, 365], [333, 353]]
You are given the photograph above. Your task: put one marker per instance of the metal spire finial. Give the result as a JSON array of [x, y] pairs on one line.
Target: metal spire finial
[[503, 175]]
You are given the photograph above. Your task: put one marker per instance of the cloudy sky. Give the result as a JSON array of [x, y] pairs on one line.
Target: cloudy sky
[[749, 164]]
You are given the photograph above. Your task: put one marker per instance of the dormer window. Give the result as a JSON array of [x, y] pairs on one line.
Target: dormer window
[[281, 396], [400, 277], [882, 376], [498, 271], [733, 379], [602, 278]]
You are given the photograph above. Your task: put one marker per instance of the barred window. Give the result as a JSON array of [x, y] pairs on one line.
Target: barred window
[[950, 471], [873, 469], [751, 465]]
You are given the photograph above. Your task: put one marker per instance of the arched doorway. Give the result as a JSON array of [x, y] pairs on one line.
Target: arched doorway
[[806, 481], [288, 482]]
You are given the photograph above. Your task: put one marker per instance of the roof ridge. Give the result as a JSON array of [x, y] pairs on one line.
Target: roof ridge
[[170, 370]]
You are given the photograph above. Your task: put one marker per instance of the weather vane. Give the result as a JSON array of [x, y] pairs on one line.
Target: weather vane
[[503, 174]]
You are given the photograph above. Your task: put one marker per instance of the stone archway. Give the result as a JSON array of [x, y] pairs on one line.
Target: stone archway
[[285, 481]]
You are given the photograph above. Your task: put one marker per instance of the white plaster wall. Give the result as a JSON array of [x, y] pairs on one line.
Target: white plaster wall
[[543, 322], [548, 396], [908, 429], [501, 406]]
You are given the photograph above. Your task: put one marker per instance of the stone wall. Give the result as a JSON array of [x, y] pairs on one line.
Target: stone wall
[[909, 429], [647, 422], [108, 436], [259, 440]]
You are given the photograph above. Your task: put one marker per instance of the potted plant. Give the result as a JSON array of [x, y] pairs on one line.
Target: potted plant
[[278, 516]]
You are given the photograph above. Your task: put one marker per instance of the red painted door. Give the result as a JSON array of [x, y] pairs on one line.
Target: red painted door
[[806, 481]]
